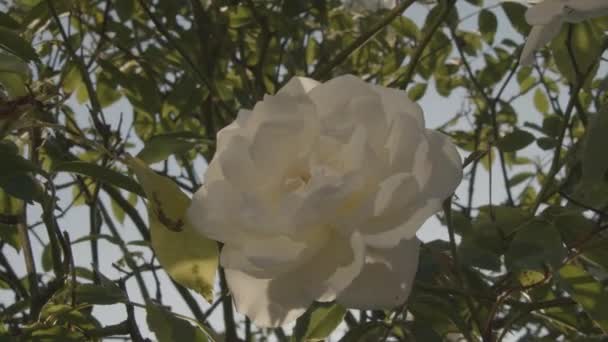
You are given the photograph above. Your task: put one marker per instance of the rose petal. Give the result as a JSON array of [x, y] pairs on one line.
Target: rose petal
[[539, 36], [397, 103], [223, 213], [269, 256], [279, 144], [276, 301], [439, 171], [235, 128], [251, 298], [395, 192], [365, 112], [298, 86], [237, 167], [386, 279], [331, 96], [546, 12], [283, 107], [387, 232], [211, 211], [404, 139], [580, 10], [332, 193]]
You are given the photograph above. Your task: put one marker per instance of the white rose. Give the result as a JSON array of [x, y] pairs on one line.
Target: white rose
[[547, 18], [317, 194], [370, 5]]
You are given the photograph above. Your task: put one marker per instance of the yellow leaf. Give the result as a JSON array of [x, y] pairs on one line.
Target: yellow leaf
[[187, 256]]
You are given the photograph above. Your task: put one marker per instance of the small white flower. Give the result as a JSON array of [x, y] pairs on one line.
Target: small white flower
[[548, 16], [317, 194], [370, 5]]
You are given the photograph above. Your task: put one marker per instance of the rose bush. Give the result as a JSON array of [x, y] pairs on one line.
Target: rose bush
[[317, 194]]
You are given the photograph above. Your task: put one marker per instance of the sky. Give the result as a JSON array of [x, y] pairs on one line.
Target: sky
[[437, 111]]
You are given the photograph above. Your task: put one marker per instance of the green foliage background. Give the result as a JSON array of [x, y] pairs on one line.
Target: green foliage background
[[531, 266]]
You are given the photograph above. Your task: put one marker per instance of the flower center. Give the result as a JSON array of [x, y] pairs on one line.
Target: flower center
[[297, 181]]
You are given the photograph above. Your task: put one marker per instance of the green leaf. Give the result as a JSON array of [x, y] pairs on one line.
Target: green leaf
[[13, 43], [546, 143], [406, 27], [14, 164], [312, 51], [240, 16], [118, 212], [541, 102], [160, 147], [169, 328], [56, 334], [14, 74], [366, 332], [520, 177], [71, 79], [9, 235], [47, 259], [416, 92], [15, 177], [8, 22], [188, 257], [104, 293], [553, 125], [487, 25], [125, 9], [320, 320], [481, 246], [586, 291], [22, 186], [515, 141], [62, 314], [586, 47], [595, 162], [536, 244], [13, 84], [102, 174], [517, 16], [107, 92]]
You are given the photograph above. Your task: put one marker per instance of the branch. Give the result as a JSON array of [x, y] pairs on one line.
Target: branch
[[323, 71], [409, 73]]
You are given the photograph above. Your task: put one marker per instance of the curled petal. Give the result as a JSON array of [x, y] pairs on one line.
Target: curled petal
[[386, 280], [539, 36], [281, 299]]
